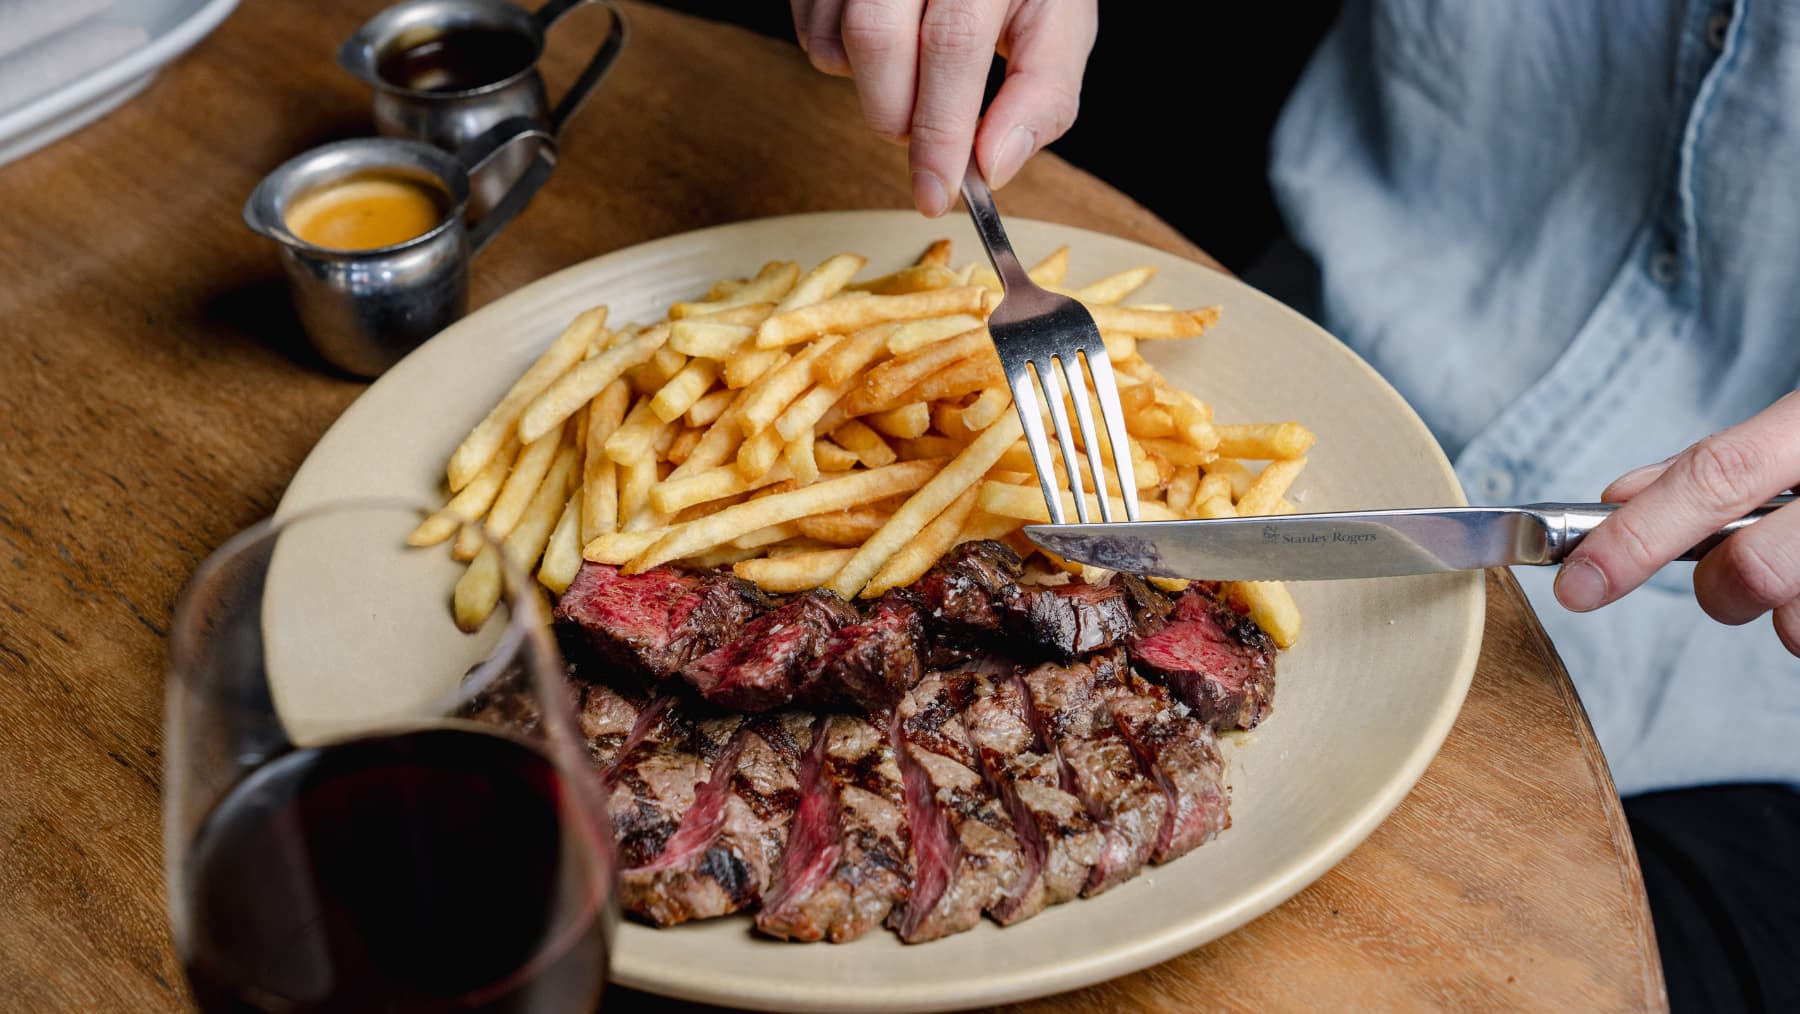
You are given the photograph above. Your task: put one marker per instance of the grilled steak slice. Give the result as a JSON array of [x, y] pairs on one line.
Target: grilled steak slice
[[1071, 712], [654, 783], [658, 621], [974, 589], [966, 854], [1180, 755], [724, 854], [867, 666], [764, 664], [1148, 606], [606, 717], [848, 858], [1060, 842], [1072, 619], [1216, 660]]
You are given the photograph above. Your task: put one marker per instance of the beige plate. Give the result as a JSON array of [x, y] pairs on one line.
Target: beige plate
[[1366, 697]]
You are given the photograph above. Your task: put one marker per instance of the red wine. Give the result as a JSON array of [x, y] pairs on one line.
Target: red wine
[[431, 870]]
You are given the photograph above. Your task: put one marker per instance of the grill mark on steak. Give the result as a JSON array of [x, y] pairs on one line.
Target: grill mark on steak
[[840, 891], [1216, 660], [967, 855], [1059, 841], [868, 665], [1179, 754], [762, 667], [1072, 619], [1099, 765], [656, 781], [972, 589], [658, 621], [606, 718]]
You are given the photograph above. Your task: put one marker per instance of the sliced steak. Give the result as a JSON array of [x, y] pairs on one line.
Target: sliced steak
[[724, 854], [974, 589], [848, 858], [606, 717], [966, 854], [655, 782], [867, 666], [1180, 755], [1070, 711], [1072, 619], [656, 622], [1149, 607], [1059, 841], [1215, 659], [762, 667]]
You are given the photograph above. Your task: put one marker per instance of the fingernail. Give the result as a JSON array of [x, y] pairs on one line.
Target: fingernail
[[1013, 152], [929, 193], [1581, 586]]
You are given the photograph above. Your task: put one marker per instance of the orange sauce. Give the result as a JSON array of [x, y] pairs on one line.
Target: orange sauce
[[367, 211]]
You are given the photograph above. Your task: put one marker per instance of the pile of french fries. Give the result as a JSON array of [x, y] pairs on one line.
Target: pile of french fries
[[814, 431]]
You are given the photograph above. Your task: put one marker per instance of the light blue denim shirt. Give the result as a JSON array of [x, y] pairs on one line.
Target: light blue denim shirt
[[1569, 233]]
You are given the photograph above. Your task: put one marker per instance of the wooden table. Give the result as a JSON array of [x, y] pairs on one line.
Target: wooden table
[[155, 398]]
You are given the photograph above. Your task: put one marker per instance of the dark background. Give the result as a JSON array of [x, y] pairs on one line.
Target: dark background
[[1176, 108]]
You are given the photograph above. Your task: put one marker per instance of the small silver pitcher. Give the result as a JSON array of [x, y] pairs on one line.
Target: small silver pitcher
[[365, 309], [451, 119]]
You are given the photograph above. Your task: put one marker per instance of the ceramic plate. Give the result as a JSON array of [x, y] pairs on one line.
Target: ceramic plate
[[173, 25], [1365, 698]]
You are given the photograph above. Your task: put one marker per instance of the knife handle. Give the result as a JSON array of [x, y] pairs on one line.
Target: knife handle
[[1569, 523]]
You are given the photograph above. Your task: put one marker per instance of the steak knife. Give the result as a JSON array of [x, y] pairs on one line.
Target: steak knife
[[1323, 547]]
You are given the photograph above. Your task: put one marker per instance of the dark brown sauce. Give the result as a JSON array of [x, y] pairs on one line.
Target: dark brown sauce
[[458, 60]]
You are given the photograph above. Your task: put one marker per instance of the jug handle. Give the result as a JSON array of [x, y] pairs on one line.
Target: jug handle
[[550, 14], [475, 156]]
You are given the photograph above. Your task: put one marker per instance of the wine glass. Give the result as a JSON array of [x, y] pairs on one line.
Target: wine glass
[[365, 807]]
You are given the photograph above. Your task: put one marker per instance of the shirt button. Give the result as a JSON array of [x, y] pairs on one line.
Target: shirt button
[[1665, 268], [1494, 484], [1716, 27]]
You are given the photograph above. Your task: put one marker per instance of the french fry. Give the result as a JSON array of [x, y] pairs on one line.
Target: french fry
[[916, 334], [947, 419], [851, 490], [723, 288], [903, 423], [718, 444], [958, 379], [477, 591], [798, 453], [771, 284], [982, 525], [1052, 270], [683, 446], [850, 356], [865, 443], [1271, 606], [822, 282], [618, 548], [1234, 472], [696, 337], [674, 495], [720, 556], [662, 367], [1151, 421], [1027, 504], [778, 389], [525, 543], [562, 556], [636, 478], [486, 439], [985, 277], [580, 385], [963, 472], [759, 453], [992, 402], [683, 389], [708, 409], [1264, 495], [937, 253], [1140, 323], [1176, 451], [1263, 441], [767, 536], [930, 446], [1120, 348], [850, 527], [891, 379], [845, 315], [470, 503], [1114, 288], [921, 277], [1180, 495], [797, 573], [636, 436], [747, 368], [912, 560], [833, 457], [1212, 484], [527, 475]]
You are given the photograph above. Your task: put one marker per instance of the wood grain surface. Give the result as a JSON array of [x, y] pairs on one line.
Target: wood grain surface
[[155, 397]]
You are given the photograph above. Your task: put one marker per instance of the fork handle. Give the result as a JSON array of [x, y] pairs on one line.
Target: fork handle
[[987, 223]]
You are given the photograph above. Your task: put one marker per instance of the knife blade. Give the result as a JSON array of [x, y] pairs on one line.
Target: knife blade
[[1352, 544]]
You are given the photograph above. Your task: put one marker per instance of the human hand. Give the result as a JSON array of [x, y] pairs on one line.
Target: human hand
[[921, 66], [1670, 506]]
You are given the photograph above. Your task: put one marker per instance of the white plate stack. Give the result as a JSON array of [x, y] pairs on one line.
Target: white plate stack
[[45, 44]]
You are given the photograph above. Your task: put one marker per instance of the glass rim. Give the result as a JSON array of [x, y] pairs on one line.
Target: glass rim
[[523, 610]]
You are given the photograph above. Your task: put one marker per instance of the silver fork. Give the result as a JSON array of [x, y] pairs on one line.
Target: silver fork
[[1032, 329]]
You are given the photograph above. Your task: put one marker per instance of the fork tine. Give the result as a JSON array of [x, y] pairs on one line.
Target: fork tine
[[1078, 396], [1025, 401], [1107, 390], [1053, 397]]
